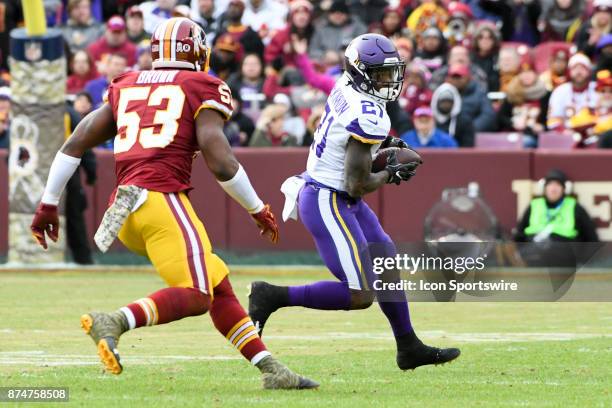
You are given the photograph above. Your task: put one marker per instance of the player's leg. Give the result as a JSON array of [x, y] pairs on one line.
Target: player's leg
[[336, 233], [411, 352], [161, 229], [231, 320]]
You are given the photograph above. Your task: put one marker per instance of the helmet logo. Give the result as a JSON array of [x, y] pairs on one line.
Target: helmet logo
[[155, 47], [180, 47]]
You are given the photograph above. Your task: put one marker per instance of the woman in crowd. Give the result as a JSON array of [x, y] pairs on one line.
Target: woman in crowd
[[416, 93], [300, 26], [391, 24], [81, 71], [485, 53], [248, 82]]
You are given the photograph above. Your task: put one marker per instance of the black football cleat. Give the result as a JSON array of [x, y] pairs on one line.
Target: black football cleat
[[412, 353], [265, 299]]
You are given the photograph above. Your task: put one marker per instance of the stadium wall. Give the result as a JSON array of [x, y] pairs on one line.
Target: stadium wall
[[506, 178]]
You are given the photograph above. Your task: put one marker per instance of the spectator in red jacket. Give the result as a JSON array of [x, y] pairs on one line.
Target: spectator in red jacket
[[114, 41], [81, 72], [299, 25]]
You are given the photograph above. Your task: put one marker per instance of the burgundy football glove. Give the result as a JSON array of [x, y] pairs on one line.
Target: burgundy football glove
[[266, 222], [45, 220]]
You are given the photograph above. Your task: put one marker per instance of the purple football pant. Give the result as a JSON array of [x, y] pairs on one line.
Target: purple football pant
[[347, 234]]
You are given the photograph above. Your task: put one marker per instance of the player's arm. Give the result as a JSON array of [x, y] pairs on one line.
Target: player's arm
[[94, 129], [359, 179], [229, 173]]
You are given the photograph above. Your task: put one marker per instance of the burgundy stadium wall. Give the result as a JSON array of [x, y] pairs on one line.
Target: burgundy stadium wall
[[401, 209]]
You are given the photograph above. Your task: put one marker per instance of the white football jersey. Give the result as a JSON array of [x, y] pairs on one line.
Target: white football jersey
[[348, 113]]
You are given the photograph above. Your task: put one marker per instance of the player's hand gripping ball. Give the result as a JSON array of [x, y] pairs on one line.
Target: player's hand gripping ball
[[401, 163], [45, 220], [266, 222]]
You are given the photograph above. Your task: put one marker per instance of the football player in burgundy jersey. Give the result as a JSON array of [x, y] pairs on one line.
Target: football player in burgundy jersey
[[159, 119]]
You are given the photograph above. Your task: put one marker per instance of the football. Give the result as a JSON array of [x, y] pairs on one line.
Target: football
[[404, 156]]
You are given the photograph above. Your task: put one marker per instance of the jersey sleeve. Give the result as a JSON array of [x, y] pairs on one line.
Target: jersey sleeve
[[367, 130], [213, 93]]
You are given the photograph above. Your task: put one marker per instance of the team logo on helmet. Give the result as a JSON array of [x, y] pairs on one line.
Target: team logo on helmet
[[179, 43]]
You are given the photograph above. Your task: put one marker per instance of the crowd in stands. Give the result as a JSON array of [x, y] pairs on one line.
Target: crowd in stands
[[525, 67]]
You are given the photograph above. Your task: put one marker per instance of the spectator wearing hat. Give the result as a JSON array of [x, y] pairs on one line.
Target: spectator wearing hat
[[81, 29], [593, 29], [134, 22], [231, 23], [446, 108], [114, 41], [391, 23], [300, 27], [572, 98], [485, 53], [116, 65], [428, 14], [156, 12], [556, 216], [265, 16], [335, 31], [425, 133], [557, 72], [604, 53], [459, 55], [431, 49], [269, 130], [524, 109], [416, 92], [459, 25], [81, 71], [226, 54], [475, 105]]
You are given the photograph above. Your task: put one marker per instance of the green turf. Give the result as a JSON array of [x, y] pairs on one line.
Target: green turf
[[512, 355]]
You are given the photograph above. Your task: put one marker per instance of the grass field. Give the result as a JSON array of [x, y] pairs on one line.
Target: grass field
[[513, 354]]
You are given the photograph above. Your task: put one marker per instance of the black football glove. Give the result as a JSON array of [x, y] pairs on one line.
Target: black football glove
[[391, 141], [399, 172]]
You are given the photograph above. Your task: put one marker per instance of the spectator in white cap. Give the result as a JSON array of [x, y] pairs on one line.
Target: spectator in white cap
[[574, 97], [595, 28]]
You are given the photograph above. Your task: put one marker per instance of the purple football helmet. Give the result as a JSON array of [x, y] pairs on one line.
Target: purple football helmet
[[375, 67]]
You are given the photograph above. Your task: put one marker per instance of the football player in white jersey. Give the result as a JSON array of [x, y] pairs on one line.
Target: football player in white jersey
[[329, 195]]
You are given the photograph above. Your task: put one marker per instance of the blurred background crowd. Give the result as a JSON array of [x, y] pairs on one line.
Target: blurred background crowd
[[479, 72]]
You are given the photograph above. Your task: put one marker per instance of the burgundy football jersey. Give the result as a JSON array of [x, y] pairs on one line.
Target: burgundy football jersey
[[155, 113]]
